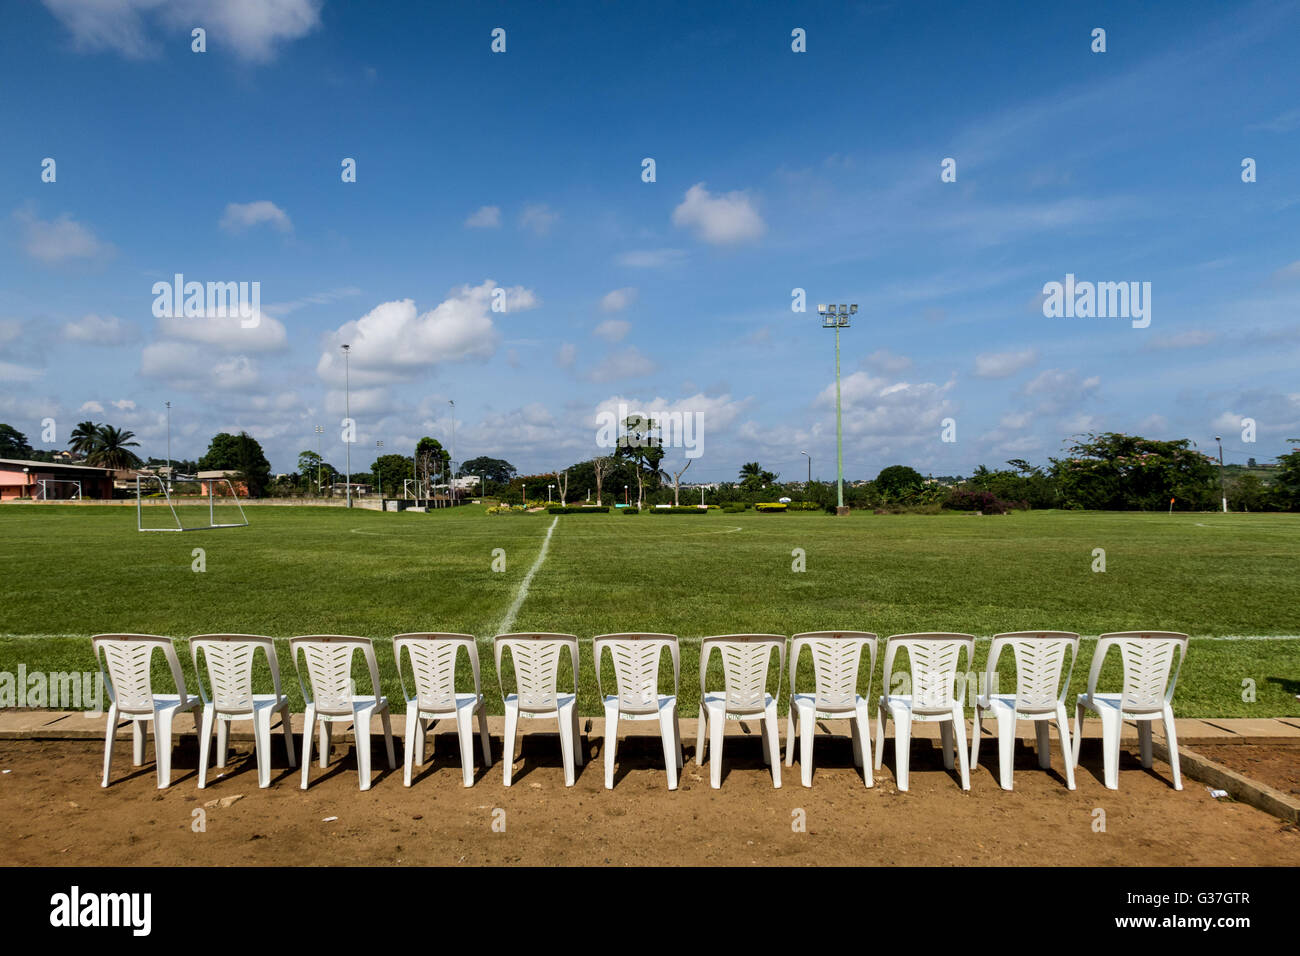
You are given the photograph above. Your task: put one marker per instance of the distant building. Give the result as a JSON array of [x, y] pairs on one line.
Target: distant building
[[219, 487], [20, 478]]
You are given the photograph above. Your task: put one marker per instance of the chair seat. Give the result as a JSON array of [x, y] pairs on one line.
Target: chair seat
[[361, 707], [162, 702], [903, 703], [562, 702], [717, 704], [463, 701], [1112, 701], [1004, 702], [664, 702], [807, 702], [260, 702]]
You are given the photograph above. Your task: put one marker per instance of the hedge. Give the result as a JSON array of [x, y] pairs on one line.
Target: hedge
[[578, 509], [679, 511]]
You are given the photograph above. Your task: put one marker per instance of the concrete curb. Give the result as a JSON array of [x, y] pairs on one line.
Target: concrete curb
[[1206, 771]]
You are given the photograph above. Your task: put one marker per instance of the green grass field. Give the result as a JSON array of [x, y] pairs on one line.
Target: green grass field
[[67, 572]]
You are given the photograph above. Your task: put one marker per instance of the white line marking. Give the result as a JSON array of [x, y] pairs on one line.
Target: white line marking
[[509, 620]]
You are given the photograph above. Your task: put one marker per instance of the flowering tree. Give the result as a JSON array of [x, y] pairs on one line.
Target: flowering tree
[[1125, 472]]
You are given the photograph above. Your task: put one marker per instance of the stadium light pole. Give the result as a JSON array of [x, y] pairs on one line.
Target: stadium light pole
[[451, 481], [837, 318], [809, 457], [379, 444], [1223, 491], [347, 413], [320, 457], [169, 446]]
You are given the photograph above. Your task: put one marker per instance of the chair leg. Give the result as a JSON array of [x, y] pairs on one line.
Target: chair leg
[[579, 755], [700, 738], [508, 744], [108, 742], [465, 730], [1042, 743], [421, 737], [262, 746], [162, 744], [565, 721], [677, 736], [715, 738], [977, 727], [137, 743], [484, 740], [1063, 727], [806, 746], [959, 733], [205, 742], [668, 734], [361, 730], [1144, 742], [863, 724], [611, 744], [772, 725], [308, 730], [223, 743], [882, 718], [1171, 738], [902, 746], [790, 725], [1111, 726], [286, 726], [945, 744], [386, 719], [1006, 746], [326, 739], [413, 731], [1077, 739]]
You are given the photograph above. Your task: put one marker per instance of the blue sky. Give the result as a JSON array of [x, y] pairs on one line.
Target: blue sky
[[775, 171]]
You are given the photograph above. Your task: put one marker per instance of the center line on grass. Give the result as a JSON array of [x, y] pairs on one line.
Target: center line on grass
[[509, 620]]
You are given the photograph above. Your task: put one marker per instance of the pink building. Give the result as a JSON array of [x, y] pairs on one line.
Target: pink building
[[20, 478]]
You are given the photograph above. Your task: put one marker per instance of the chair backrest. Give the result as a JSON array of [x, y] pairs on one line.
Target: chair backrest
[[536, 660], [125, 660], [837, 658], [229, 659], [636, 668], [329, 669], [1040, 657], [934, 658], [745, 660], [1147, 657], [433, 664]]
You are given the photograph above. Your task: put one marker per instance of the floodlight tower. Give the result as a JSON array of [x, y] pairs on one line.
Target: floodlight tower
[[1223, 491], [347, 413], [169, 445], [837, 318], [451, 462], [320, 458]]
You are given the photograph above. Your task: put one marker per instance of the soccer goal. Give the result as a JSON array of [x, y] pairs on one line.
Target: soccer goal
[[54, 489], [194, 505]]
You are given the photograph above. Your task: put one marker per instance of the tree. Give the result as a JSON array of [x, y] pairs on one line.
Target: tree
[[677, 480], [1116, 472], [490, 469], [391, 471], [1287, 486], [641, 444], [241, 454], [113, 449], [562, 484], [13, 443], [85, 438], [753, 477], [602, 466], [899, 480]]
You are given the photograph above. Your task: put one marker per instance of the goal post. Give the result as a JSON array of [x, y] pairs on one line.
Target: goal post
[[164, 489], [57, 489]]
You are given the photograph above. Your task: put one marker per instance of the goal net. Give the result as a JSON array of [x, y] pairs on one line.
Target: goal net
[[53, 489], [186, 504]]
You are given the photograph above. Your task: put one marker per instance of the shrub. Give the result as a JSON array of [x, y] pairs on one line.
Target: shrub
[[963, 499], [630, 511], [577, 509], [774, 507], [679, 511]]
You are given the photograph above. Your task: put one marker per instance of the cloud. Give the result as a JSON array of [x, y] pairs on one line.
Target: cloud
[[318, 298], [1004, 364], [53, 242], [393, 343], [567, 355], [1288, 272], [251, 29], [883, 360], [1058, 390], [719, 219], [241, 216], [875, 407], [538, 218], [613, 330], [618, 300], [1192, 338], [629, 363], [1282, 123], [10, 330], [93, 330], [9, 372], [91, 407], [651, 258], [191, 367], [226, 333], [485, 217]]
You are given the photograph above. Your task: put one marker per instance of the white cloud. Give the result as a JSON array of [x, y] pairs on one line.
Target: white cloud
[[328, 297], [92, 407], [485, 217], [567, 355], [874, 407], [720, 219], [95, 330], [10, 330], [392, 342], [226, 332], [251, 29], [188, 366], [883, 360], [9, 372], [618, 300], [124, 405], [1192, 338], [538, 217], [651, 258], [629, 363], [241, 216], [1058, 390], [1004, 364], [613, 330], [1289, 271], [53, 242]]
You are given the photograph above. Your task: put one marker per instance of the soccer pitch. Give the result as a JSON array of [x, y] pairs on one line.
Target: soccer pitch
[[1230, 581]]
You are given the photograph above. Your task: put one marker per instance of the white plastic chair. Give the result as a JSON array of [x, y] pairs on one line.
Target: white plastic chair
[[1040, 697], [745, 660], [433, 665], [931, 698], [229, 660], [636, 671], [328, 660], [124, 661], [837, 657], [1147, 695], [536, 660]]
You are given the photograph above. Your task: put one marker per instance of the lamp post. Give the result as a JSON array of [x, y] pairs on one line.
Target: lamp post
[[451, 486], [809, 457], [169, 446], [320, 457], [548, 493], [347, 413], [1223, 491], [379, 444], [837, 318], [626, 500]]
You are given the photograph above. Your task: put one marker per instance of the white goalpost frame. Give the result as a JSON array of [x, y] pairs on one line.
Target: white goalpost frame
[[44, 483], [212, 522]]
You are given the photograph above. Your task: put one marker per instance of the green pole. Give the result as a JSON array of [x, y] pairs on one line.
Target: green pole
[[839, 425]]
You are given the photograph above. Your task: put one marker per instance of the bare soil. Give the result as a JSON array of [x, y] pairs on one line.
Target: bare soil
[[1275, 764], [53, 811]]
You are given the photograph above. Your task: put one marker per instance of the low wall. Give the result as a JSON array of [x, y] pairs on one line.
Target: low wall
[[368, 504]]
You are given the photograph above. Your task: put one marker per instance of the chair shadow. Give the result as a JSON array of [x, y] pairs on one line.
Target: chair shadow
[[442, 752], [1287, 684], [640, 752], [1024, 759], [543, 750], [750, 757], [1129, 760]]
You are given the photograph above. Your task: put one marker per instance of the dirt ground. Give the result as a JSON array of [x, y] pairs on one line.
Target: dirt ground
[[1275, 764], [53, 811]]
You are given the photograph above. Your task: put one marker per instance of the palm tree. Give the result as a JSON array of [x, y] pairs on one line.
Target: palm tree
[[750, 469], [113, 450], [85, 439]]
